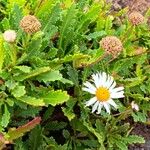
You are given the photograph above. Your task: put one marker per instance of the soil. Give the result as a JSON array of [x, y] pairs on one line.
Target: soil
[[133, 5]]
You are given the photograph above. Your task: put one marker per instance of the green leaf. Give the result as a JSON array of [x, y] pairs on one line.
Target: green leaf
[[32, 101], [32, 74], [5, 23], [55, 125], [50, 76], [97, 134], [24, 69], [121, 145], [35, 138], [19, 91], [15, 15], [11, 84], [95, 35], [68, 113], [65, 81], [68, 27], [56, 97], [139, 117], [10, 102], [89, 17], [1, 53], [5, 117], [73, 74], [133, 139]]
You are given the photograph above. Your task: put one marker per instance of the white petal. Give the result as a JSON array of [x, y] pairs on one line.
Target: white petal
[[90, 86], [99, 108], [103, 79], [91, 101], [96, 79], [100, 83], [109, 81], [112, 86], [116, 95], [95, 106], [89, 90], [118, 89], [107, 107], [111, 102]]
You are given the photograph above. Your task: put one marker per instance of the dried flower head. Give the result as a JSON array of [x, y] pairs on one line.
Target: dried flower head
[[136, 18], [139, 51], [10, 36], [30, 24], [112, 45]]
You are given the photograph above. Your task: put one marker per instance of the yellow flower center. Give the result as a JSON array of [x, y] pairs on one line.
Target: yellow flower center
[[102, 94]]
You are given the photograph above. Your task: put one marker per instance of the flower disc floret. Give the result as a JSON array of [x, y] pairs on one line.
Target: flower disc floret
[[104, 90], [30, 24]]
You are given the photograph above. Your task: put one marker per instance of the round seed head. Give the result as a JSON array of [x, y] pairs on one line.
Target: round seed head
[[136, 18], [10, 36], [112, 45], [30, 24]]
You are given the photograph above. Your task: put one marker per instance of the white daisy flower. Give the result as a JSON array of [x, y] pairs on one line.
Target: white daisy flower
[[105, 91]]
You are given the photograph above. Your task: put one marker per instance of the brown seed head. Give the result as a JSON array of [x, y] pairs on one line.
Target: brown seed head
[[136, 18], [30, 24], [112, 45]]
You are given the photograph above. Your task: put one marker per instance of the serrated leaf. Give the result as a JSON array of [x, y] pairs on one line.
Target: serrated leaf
[[139, 117], [55, 125], [10, 84], [95, 35], [68, 113], [5, 23], [121, 145], [5, 117], [18, 91], [34, 73], [133, 139], [98, 135], [50, 76], [56, 97], [65, 81], [24, 69], [1, 53], [16, 15], [32, 101], [73, 74], [68, 27], [35, 138]]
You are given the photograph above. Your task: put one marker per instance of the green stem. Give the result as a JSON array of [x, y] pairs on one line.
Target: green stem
[[13, 54]]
